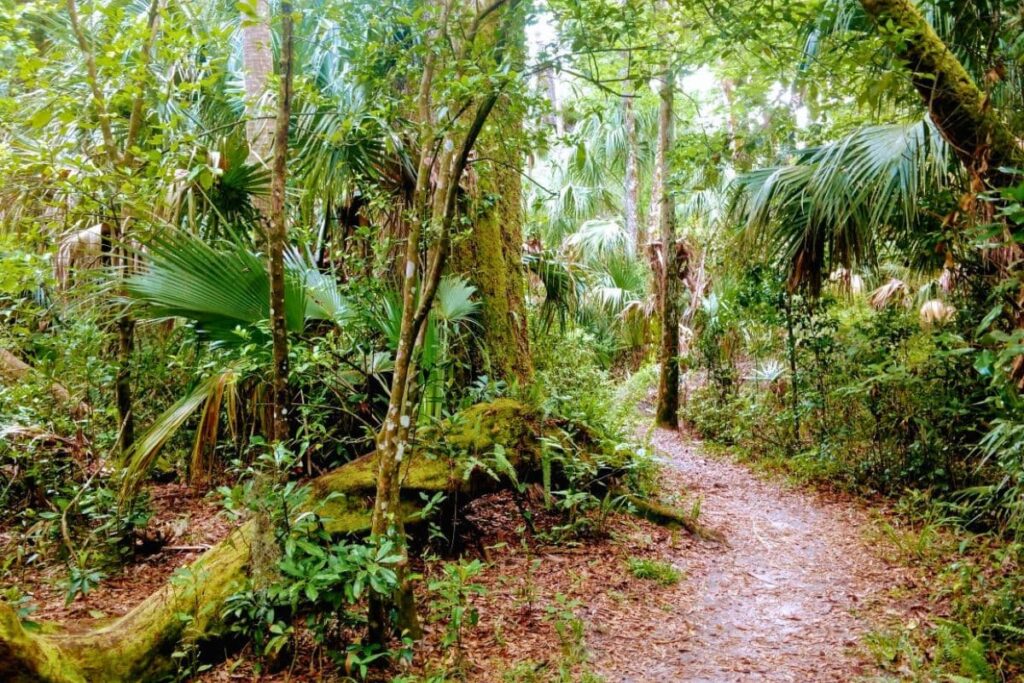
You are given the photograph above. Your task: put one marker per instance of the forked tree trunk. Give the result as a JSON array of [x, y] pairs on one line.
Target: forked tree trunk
[[436, 207], [667, 412]]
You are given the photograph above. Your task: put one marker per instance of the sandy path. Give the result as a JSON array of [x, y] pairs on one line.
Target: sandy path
[[785, 600]]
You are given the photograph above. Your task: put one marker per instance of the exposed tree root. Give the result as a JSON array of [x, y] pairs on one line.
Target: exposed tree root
[[665, 515], [138, 645]]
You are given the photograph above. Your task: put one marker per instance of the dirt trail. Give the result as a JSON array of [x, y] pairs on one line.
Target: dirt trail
[[790, 596]]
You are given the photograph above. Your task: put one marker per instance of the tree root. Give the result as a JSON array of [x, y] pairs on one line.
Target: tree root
[[138, 646], [665, 515]]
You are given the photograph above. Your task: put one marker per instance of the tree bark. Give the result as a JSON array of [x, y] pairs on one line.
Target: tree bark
[[666, 414], [631, 203], [492, 260], [278, 235], [492, 256], [980, 138], [258, 62]]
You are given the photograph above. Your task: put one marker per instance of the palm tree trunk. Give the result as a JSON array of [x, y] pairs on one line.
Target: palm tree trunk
[[666, 414], [258, 61]]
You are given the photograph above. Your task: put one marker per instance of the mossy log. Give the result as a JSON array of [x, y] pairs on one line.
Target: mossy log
[[138, 645]]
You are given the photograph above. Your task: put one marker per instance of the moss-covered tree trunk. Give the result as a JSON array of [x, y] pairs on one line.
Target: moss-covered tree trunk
[[978, 135], [139, 645], [491, 256]]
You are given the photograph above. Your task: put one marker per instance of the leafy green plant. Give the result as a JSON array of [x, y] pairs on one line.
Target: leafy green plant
[[82, 577], [661, 573], [453, 590]]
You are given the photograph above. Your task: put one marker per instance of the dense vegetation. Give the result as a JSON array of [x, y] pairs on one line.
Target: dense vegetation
[[343, 267]]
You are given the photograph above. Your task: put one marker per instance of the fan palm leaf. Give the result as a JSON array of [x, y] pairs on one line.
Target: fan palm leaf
[[845, 200], [226, 291]]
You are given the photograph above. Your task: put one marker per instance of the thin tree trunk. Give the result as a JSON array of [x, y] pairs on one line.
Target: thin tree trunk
[[393, 439], [278, 235], [667, 411], [632, 179], [385, 519], [126, 157]]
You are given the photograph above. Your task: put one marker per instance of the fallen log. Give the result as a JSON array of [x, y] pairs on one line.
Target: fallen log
[[138, 645]]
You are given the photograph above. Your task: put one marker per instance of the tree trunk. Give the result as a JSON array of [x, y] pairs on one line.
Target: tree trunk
[[492, 256], [632, 180], [667, 411], [278, 235], [980, 138], [436, 207], [258, 62], [123, 381], [492, 260]]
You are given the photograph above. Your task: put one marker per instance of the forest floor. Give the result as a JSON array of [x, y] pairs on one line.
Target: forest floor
[[803, 581], [794, 592]]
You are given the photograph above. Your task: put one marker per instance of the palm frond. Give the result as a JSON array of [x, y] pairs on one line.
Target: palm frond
[[454, 303], [842, 202], [597, 238], [226, 291], [139, 459]]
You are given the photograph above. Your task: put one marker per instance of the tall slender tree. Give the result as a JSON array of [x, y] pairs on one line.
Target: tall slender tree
[[277, 237], [444, 155], [631, 194], [667, 412]]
